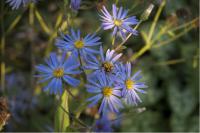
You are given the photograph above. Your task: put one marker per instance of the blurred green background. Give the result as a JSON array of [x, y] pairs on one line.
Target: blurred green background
[[170, 66]]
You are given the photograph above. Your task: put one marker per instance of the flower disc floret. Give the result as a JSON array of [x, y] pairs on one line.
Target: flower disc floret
[[118, 22], [58, 73], [79, 44], [107, 91], [108, 66], [129, 84]]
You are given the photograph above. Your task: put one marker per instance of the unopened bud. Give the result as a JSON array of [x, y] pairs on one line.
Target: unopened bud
[[145, 15]]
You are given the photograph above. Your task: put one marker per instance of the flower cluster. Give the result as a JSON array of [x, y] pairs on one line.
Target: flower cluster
[[111, 82]]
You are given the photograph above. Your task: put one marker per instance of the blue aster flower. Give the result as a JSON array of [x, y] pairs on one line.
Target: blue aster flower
[[75, 4], [103, 124], [58, 71], [79, 45], [15, 4], [130, 84], [106, 92], [106, 64], [118, 21]]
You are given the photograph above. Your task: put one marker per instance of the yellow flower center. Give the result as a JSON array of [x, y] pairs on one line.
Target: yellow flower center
[[117, 22], [107, 66], [58, 73], [79, 44], [107, 91], [129, 84]]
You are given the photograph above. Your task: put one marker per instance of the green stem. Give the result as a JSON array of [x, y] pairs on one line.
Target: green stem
[[173, 38], [148, 44], [98, 29], [160, 33], [113, 41], [3, 71], [116, 2], [165, 29], [75, 119], [195, 20], [3, 64], [142, 51], [121, 44], [31, 23], [152, 29], [81, 66]]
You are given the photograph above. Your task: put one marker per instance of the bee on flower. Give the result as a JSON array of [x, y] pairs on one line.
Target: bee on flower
[[106, 64]]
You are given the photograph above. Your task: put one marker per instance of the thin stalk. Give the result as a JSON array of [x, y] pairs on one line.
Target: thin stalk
[[164, 30], [98, 29], [186, 24], [53, 34], [80, 109], [116, 2], [75, 119], [121, 44], [3, 71], [160, 33], [81, 66], [14, 23], [31, 23], [113, 41], [171, 62], [173, 38], [141, 52], [152, 29], [70, 93]]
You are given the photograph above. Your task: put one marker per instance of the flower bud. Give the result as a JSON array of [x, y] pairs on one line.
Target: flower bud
[[145, 15]]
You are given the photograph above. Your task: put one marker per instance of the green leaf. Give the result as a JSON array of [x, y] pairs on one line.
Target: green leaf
[[61, 118]]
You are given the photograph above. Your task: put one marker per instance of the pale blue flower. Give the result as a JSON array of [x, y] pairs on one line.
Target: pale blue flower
[[103, 124], [118, 21], [106, 92], [79, 45], [75, 4], [105, 64], [58, 71], [130, 84], [15, 4]]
